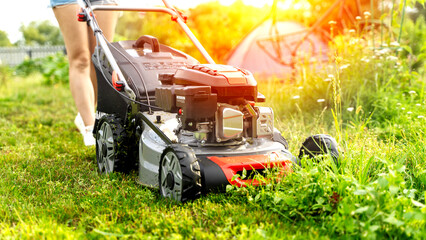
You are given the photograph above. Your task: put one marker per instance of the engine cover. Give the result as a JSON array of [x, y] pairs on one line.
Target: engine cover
[[226, 81]]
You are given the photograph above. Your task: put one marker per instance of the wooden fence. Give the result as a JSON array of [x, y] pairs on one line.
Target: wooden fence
[[13, 56]]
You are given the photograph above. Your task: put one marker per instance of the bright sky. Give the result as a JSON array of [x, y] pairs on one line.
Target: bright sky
[[21, 12]]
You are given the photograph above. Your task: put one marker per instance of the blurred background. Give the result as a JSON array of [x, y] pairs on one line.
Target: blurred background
[[307, 55]]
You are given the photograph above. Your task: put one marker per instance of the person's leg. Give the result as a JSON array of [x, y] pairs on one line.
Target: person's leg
[[77, 45], [107, 21]]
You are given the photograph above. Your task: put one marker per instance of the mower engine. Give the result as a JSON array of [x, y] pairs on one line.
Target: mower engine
[[214, 104]]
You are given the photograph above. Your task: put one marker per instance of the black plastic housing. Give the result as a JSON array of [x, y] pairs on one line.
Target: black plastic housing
[[197, 104], [141, 68]]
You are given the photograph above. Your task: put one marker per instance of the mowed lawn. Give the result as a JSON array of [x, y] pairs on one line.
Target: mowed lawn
[[50, 188]]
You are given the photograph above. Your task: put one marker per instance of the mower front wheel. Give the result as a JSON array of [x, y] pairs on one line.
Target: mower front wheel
[[179, 174]]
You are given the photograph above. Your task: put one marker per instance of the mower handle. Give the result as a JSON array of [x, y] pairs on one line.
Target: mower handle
[[171, 11], [155, 46]]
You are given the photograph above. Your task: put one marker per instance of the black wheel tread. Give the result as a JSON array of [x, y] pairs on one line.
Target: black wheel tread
[[120, 142], [191, 174]]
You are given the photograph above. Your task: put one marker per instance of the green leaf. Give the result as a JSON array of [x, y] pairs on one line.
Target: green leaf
[[373, 228], [360, 192], [417, 204], [235, 177], [383, 182], [320, 200], [289, 200], [277, 199], [244, 174], [362, 209], [392, 220], [393, 189]]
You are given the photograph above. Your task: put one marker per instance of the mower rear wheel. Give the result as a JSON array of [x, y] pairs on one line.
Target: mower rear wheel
[[320, 144], [179, 174], [110, 152]]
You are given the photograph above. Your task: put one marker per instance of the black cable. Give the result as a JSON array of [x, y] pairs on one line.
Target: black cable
[[123, 95], [96, 26], [137, 70]]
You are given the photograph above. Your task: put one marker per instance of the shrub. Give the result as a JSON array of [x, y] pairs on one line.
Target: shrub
[[54, 68]]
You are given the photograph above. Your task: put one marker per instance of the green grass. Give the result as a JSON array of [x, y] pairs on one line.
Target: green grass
[[49, 187]]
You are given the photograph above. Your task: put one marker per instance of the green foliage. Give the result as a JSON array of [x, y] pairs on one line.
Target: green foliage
[[41, 33], [414, 38], [54, 68], [370, 194], [381, 84], [4, 40], [29, 66]]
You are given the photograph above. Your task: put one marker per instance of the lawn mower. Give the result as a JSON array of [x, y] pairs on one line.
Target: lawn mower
[[188, 128]]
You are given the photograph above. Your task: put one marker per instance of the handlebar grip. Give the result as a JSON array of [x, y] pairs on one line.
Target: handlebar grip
[[153, 41]]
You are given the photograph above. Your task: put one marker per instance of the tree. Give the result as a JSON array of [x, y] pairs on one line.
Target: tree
[[4, 40], [41, 33]]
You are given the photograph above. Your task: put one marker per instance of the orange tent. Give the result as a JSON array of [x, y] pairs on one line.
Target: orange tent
[[275, 49]]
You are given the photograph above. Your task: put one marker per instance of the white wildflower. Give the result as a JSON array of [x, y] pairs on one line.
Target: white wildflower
[[344, 66], [382, 51], [321, 100], [420, 116], [365, 59], [409, 112], [392, 58], [412, 92], [350, 109], [394, 44], [418, 104], [296, 97]]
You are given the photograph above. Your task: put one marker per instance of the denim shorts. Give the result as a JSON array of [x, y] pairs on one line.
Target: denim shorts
[[54, 3]]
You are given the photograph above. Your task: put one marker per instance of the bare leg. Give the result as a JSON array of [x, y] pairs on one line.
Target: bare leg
[[107, 21], [77, 45]]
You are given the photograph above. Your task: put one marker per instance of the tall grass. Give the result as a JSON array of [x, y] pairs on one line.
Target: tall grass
[[371, 96]]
